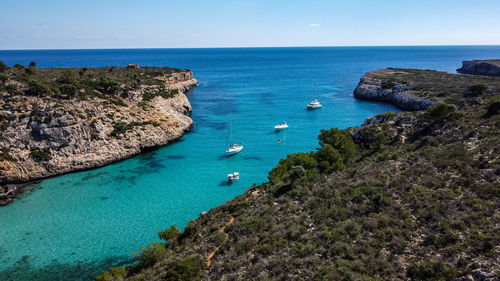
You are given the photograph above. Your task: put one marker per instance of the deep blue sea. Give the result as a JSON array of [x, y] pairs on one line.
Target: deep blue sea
[[72, 226]]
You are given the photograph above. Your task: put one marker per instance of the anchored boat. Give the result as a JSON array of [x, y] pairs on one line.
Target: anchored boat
[[281, 126], [314, 105], [233, 147]]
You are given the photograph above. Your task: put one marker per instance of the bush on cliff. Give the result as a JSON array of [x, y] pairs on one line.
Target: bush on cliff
[[441, 111], [476, 89], [493, 106], [40, 154], [431, 271], [170, 235], [114, 273], [188, 269], [342, 141], [281, 173], [37, 88], [68, 90], [3, 66], [329, 159]]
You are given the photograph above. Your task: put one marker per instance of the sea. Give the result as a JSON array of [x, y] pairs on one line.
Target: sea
[[72, 226]]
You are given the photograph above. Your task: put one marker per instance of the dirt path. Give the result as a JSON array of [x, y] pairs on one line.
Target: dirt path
[[211, 255]]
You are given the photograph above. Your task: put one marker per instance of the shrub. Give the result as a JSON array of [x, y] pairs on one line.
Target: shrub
[[477, 89], [188, 269], [149, 255], [379, 142], [493, 106], [329, 159], [170, 235], [37, 88], [440, 111], [30, 70], [40, 154], [3, 66], [68, 90], [69, 77], [114, 273], [297, 172], [281, 172], [431, 270], [387, 84], [19, 66], [342, 141], [4, 77], [13, 90], [32, 64], [108, 85]]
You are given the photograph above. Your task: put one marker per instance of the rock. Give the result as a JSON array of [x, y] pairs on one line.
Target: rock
[[480, 67], [133, 65], [465, 278], [402, 96], [483, 274]]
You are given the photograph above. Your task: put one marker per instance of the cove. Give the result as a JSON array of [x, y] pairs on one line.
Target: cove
[[75, 225]]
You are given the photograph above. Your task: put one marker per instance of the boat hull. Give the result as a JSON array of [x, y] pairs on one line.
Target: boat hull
[[232, 151], [311, 107]]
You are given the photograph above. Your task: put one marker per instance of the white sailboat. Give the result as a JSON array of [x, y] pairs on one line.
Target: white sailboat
[[233, 147]]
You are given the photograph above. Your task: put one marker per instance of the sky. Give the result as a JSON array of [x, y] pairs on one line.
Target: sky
[[84, 24]]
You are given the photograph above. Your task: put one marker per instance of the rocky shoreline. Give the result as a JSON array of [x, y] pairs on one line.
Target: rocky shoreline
[[47, 136]]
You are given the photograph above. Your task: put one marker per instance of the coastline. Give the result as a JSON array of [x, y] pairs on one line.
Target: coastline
[[77, 140]]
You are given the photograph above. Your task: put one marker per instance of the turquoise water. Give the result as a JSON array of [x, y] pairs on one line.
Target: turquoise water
[[77, 224]]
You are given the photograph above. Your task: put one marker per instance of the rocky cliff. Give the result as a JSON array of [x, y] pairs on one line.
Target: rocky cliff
[[480, 67], [374, 86], [55, 121]]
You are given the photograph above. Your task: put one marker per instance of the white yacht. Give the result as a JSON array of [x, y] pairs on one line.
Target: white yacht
[[233, 147], [281, 126], [233, 176], [314, 105]]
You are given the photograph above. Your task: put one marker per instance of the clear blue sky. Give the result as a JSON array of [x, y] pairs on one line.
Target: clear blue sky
[[58, 24]]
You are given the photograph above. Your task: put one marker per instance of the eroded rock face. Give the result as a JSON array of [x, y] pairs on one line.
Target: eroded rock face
[[480, 67], [47, 137], [370, 87]]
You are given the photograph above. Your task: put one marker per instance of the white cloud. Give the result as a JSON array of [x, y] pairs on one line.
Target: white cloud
[[314, 25]]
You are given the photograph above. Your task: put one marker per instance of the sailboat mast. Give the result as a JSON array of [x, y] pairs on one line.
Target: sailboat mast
[[230, 130]]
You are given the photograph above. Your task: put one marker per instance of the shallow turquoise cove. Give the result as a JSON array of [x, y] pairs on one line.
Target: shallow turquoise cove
[[78, 224]]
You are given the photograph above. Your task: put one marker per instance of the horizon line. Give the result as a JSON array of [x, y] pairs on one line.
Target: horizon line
[[243, 47]]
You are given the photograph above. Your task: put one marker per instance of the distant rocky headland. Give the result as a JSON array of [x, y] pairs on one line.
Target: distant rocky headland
[[54, 121], [481, 67], [405, 196]]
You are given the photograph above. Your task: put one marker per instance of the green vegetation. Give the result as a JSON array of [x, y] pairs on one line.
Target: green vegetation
[[3, 66], [121, 128], [477, 89], [109, 83], [40, 154], [412, 197]]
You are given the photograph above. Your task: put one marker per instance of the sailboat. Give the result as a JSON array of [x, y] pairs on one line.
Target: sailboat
[[233, 147], [315, 104]]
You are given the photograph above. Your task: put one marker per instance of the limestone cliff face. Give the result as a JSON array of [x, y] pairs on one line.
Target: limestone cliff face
[[77, 134], [372, 86], [480, 67]]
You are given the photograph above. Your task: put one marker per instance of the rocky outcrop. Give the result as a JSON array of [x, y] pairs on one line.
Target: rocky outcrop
[[374, 86], [481, 274], [480, 67], [47, 136]]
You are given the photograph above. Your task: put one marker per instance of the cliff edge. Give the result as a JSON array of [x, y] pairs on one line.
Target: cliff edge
[[55, 121]]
